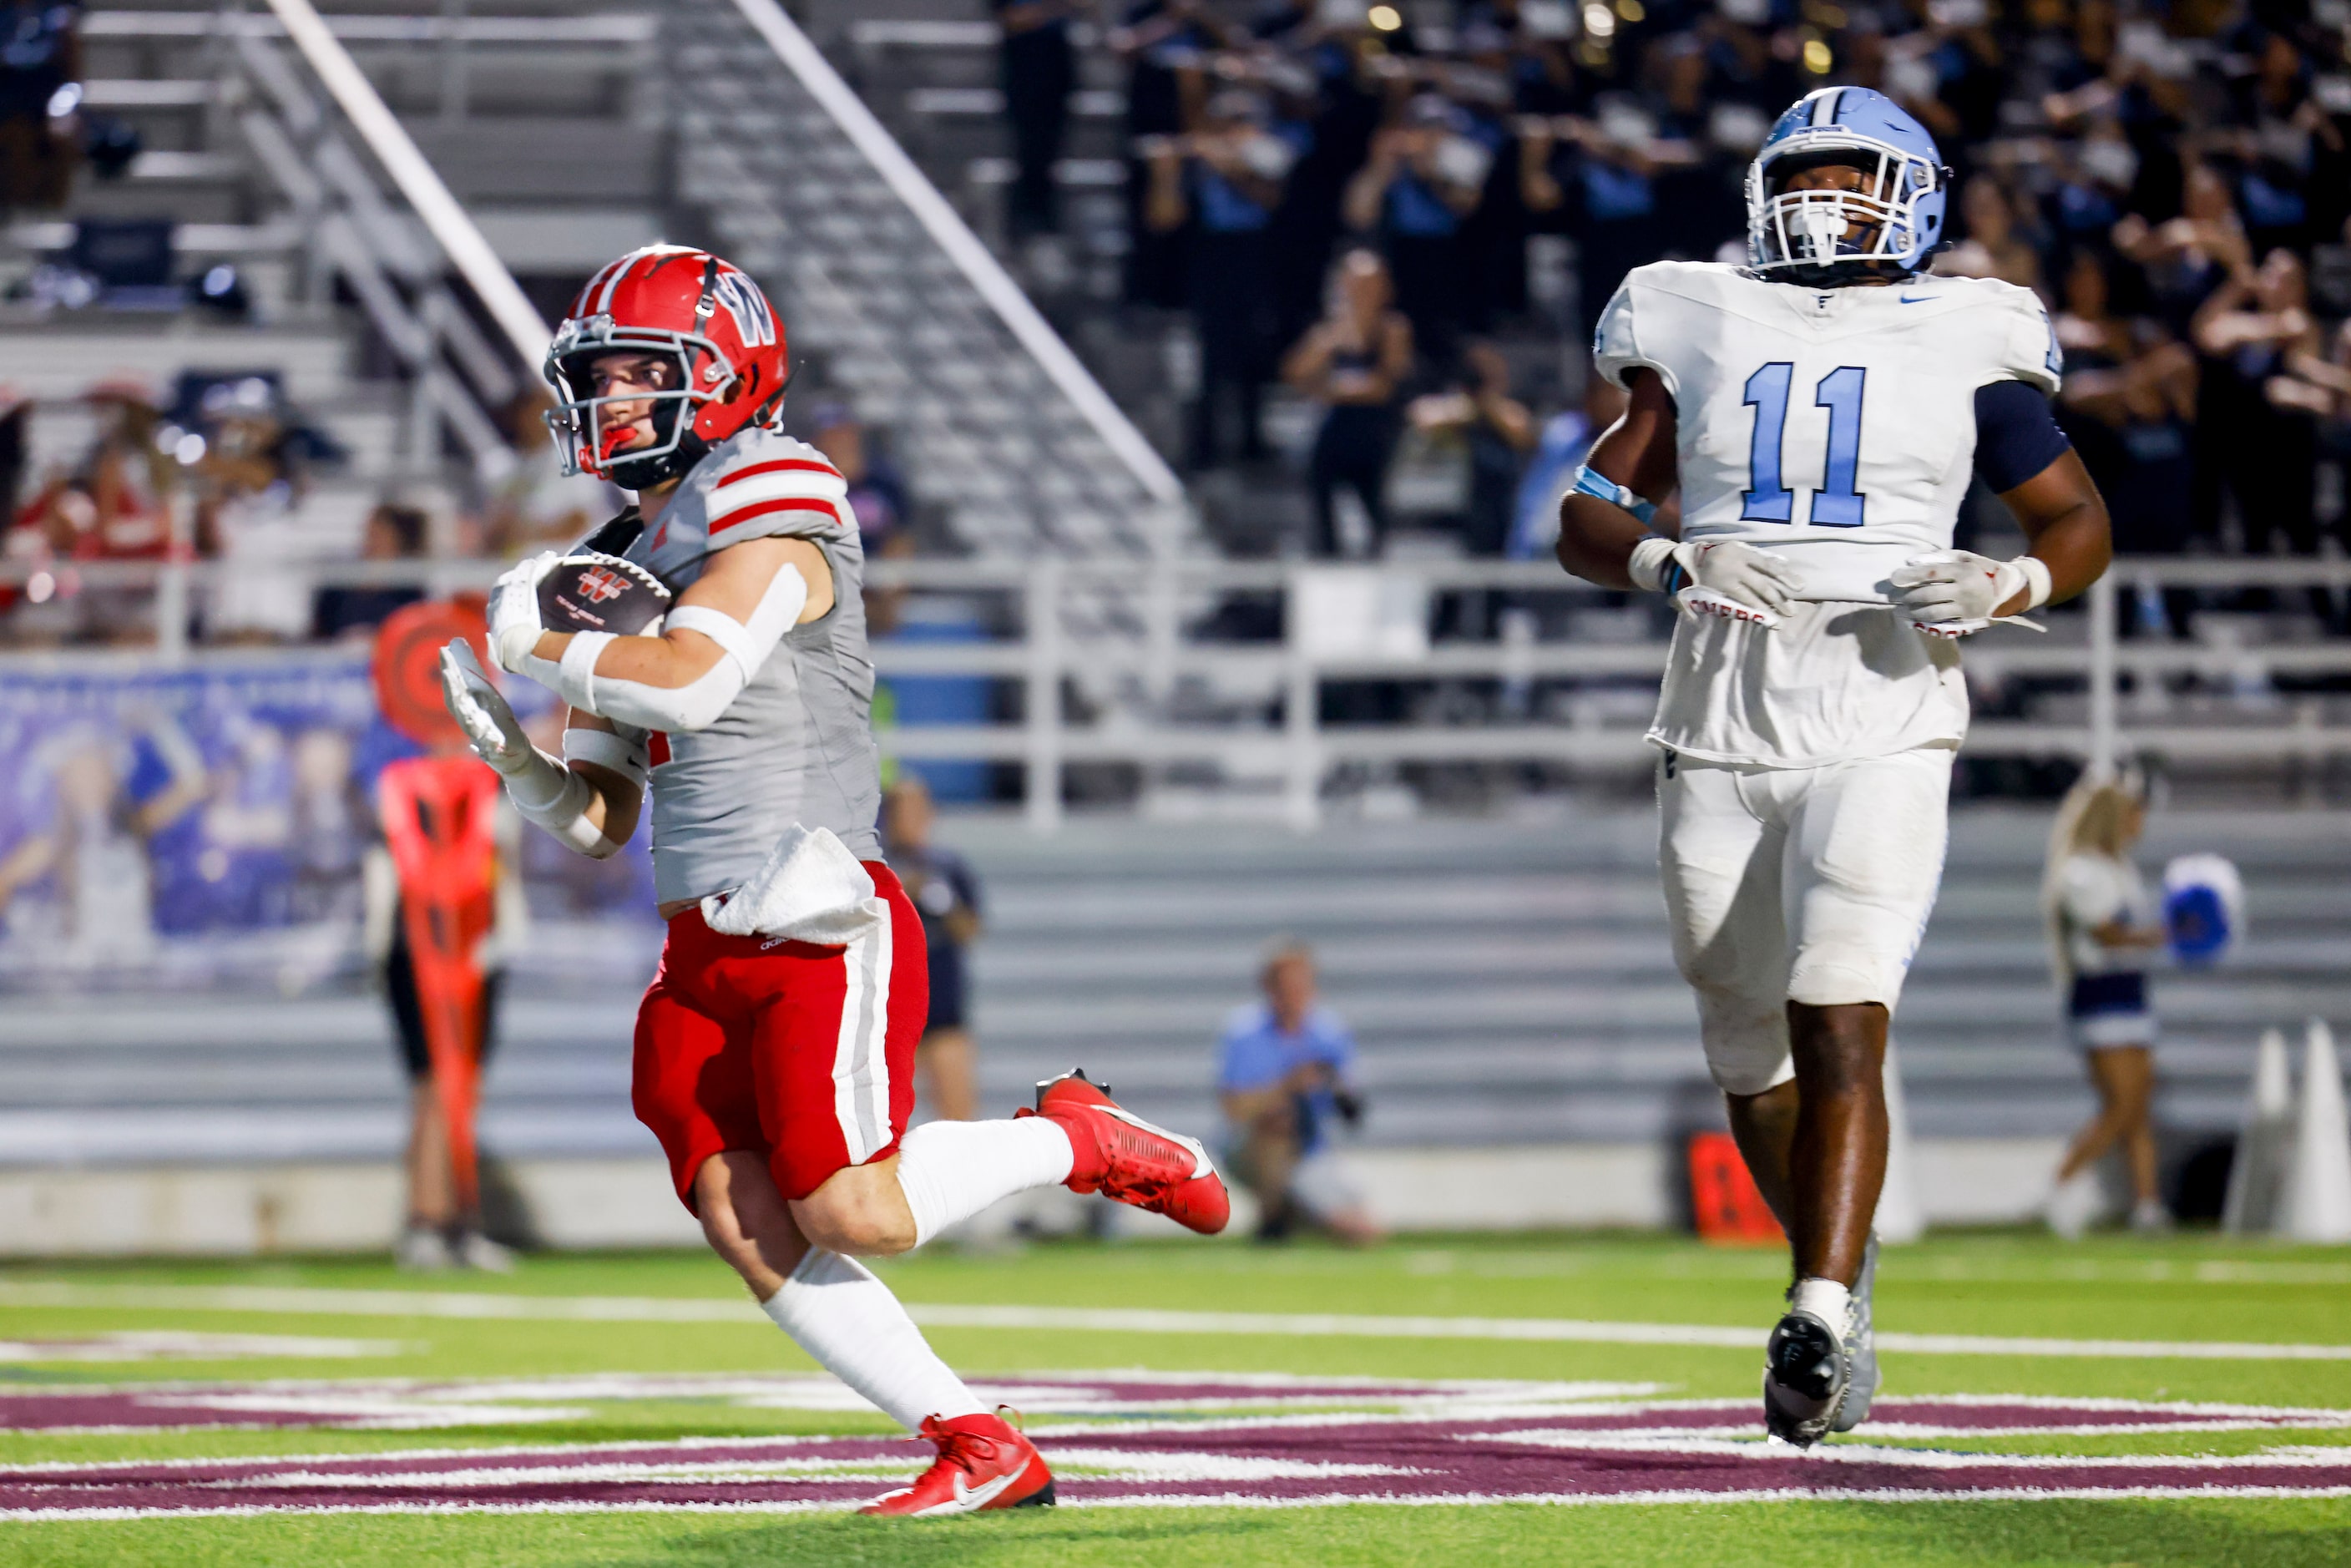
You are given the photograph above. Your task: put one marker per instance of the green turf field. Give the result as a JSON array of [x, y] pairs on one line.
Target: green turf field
[[1521, 1363]]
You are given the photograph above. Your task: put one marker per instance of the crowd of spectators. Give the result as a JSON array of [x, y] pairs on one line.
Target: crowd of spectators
[[2175, 179]]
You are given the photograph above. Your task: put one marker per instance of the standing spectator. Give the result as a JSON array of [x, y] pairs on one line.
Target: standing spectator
[[1165, 44], [1038, 70], [1352, 362], [2249, 330], [946, 891], [1498, 432], [2102, 927], [2128, 405], [876, 494], [1226, 182], [1284, 1074], [1423, 180], [40, 64]]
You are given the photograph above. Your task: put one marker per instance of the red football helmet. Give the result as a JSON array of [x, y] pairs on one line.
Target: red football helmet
[[703, 315]]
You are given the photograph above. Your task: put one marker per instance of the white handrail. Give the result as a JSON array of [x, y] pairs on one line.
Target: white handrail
[[447, 221], [912, 186]]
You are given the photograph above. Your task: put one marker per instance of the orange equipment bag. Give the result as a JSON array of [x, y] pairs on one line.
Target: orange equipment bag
[[1729, 1209]]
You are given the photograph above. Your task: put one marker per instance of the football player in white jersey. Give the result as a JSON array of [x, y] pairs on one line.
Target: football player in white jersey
[[1821, 410]]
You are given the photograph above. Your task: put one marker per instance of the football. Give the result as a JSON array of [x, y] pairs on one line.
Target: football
[[591, 591]]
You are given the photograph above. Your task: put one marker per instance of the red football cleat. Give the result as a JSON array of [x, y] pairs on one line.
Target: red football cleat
[[1123, 1157], [984, 1462]]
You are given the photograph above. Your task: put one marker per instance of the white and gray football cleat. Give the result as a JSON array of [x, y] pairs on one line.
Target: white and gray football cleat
[[1807, 1372], [1861, 1348]]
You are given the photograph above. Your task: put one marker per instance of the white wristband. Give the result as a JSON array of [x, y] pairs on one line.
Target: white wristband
[[576, 677], [605, 749], [2036, 580], [566, 814], [1649, 560]]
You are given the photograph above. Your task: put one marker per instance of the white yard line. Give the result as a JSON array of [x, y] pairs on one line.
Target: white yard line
[[483, 1304]]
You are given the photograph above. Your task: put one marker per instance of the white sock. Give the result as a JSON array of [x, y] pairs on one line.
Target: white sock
[[952, 1170], [834, 1309], [1824, 1299]]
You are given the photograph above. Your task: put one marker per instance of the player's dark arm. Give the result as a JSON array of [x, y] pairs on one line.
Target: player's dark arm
[[2066, 525], [1597, 536]]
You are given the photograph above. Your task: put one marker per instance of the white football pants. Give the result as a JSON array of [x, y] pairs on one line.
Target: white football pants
[[1806, 884]]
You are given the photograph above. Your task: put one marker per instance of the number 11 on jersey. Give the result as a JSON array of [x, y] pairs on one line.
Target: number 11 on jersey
[[1838, 504]]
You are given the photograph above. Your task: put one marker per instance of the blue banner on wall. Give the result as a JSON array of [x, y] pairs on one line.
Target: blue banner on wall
[[208, 825]]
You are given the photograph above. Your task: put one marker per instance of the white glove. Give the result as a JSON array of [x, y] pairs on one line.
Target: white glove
[[483, 711], [1950, 593], [515, 626], [1735, 581], [542, 788]]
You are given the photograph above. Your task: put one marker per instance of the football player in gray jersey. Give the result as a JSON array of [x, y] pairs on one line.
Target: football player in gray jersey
[[774, 1054]]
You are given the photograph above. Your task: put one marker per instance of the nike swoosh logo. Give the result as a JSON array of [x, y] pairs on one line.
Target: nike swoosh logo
[[1913, 298], [981, 1496]]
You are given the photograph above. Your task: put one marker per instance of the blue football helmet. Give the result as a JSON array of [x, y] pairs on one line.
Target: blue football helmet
[[1823, 238]]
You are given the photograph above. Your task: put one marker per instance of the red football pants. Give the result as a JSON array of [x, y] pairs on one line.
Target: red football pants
[[802, 1054]]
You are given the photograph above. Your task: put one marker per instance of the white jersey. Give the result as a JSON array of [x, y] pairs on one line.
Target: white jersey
[[1836, 428]]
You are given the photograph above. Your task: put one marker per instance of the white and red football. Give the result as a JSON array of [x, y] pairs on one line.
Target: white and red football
[[589, 590]]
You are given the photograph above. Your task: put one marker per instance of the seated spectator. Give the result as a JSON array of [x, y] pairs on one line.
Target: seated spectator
[[1352, 362], [1283, 1077], [354, 612], [250, 516], [537, 505]]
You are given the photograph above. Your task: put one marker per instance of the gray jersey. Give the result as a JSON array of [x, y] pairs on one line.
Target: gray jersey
[[797, 744]]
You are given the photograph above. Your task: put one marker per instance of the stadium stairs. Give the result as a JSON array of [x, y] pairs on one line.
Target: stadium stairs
[[1529, 1056]]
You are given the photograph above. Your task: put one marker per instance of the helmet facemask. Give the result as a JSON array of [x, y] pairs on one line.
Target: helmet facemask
[[1829, 237], [699, 375]]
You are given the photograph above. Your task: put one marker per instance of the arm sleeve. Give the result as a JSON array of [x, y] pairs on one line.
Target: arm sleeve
[[2016, 434], [1616, 342]]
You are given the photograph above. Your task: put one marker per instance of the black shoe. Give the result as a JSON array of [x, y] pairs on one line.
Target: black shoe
[[1805, 1375], [1861, 1348]]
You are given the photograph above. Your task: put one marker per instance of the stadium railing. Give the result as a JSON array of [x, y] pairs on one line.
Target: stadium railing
[[1269, 722]]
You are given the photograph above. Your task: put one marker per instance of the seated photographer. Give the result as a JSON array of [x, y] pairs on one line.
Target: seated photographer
[[1284, 1074]]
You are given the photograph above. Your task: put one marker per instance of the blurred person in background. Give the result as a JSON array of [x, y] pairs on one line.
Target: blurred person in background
[[115, 504], [946, 893], [2249, 330], [1167, 45], [249, 514], [342, 610], [1993, 248], [1352, 362], [2128, 405], [96, 801], [1038, 70], [1559, 448], [1285, 1071], [40, 66], [1424, 179], [1498, 432], [1223, 185], [538, 506], [2103, 931], [877, 493], [434, 1234]]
